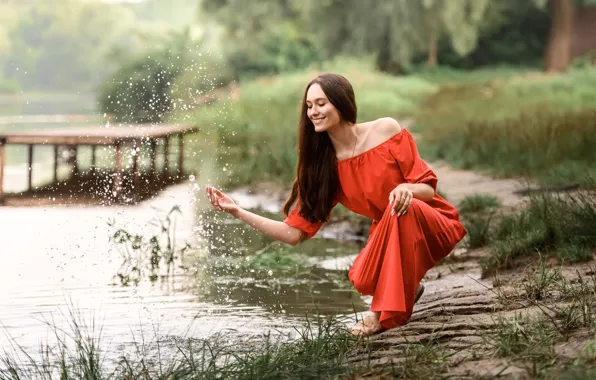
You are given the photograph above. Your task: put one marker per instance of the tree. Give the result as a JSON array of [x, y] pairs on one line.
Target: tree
[[395, 30], [62, 45], [459, 20], [392, 30], [557, 55], [263, 37]]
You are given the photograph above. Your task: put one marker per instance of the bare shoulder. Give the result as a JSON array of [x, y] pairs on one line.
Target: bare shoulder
[[386, 127]]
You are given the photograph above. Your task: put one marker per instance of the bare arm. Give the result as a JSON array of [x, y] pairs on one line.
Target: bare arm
[[422, 191], [272, 228]]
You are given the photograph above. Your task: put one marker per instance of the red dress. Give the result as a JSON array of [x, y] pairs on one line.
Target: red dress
[[401, 250]]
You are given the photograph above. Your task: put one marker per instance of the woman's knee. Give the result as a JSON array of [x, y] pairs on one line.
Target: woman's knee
[[416, 206], [363, 284]]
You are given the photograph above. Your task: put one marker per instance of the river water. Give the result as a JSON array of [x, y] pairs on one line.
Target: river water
[[60, 259]]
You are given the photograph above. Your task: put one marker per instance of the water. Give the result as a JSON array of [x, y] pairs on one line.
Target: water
[[59, 259]]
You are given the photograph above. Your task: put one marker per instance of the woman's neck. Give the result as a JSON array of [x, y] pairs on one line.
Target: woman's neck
[[344, 137]]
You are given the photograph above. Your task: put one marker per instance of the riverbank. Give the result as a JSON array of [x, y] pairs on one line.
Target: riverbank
[[534, 321]]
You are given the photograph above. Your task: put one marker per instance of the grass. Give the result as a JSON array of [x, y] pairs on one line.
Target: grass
[[523, 337], [563, 310], [560, 225], [256, 133], [529, 125], [507, 121], [476, 212], [319, 351]]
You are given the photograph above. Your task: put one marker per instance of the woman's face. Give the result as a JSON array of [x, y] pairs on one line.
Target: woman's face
[[319, 110]]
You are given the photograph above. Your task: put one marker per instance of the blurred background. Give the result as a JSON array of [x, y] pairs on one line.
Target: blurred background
[[505, 88], [455, 67]]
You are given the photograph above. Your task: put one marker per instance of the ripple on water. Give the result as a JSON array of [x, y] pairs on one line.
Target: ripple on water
[[58, 259]]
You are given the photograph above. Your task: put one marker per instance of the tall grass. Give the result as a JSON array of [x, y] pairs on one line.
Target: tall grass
[[531, 125], [257, 131], [562, 225], [319, 351]]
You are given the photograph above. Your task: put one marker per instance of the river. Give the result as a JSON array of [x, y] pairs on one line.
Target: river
[[59, 259]]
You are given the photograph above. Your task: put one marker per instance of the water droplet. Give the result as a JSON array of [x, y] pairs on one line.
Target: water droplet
[[191, 177]]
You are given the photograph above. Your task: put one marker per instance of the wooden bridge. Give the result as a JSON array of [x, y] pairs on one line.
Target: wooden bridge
[[119, 137]]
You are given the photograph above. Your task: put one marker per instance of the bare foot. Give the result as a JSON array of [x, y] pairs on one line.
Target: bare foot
[[370, 325]]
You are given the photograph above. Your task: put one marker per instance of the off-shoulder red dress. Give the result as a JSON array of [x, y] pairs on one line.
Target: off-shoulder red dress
[[401, 250]]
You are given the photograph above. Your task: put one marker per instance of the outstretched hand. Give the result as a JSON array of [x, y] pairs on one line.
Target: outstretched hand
[[220, 201], [401, 199]]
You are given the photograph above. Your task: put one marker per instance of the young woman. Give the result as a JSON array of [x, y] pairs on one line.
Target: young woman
[[373, 169]]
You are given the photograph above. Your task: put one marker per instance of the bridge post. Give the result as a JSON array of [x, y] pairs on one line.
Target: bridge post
[[30, 166], [181, 156], [166, 158], [2, 164], [117, 184]]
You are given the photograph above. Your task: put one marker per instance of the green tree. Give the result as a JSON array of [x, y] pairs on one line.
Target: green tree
[[395, 30], [8, 21], [263, 37], [512, 33], [62, 44], [458, 20]]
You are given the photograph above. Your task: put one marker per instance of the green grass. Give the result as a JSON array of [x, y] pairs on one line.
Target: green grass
[[561, 225], [256, 134], [443, 75], [531, 124], [477, 212], [319, 351], [507, 121], [562, 311]]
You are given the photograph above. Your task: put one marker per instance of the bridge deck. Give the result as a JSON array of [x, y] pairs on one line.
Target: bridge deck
[[118, 136]]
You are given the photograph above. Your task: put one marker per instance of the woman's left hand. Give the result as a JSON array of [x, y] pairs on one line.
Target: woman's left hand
[[400, 198]]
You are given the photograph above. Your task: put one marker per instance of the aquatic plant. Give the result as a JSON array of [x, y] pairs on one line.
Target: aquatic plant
[[148, 255]]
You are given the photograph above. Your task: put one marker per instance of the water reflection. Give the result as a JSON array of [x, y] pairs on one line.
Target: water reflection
[[58, 258], [54, 255]]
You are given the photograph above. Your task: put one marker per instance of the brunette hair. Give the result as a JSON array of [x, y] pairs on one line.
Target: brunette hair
[[317, 182]]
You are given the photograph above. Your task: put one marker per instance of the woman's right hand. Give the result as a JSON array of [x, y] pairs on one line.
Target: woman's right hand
[[220, 201]]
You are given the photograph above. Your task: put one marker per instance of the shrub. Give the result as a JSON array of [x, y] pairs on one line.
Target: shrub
[[257, 132], [541, 127]]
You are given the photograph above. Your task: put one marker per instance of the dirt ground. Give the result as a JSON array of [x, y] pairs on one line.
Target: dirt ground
[[460, 312]]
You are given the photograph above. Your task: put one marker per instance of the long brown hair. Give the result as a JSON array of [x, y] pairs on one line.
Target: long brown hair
[[317, 181]]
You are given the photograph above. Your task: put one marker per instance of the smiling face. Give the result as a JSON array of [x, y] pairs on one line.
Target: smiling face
[[320, 110]]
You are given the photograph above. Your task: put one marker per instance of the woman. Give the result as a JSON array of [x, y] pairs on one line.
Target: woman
[[373, 169]]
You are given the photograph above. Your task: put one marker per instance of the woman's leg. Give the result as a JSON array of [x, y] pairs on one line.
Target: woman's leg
[[397, 257]]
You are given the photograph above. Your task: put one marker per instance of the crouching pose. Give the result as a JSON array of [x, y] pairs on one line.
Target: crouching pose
[[373, 169]]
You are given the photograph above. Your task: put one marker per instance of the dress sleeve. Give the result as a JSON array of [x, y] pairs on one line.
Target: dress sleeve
[[413, 167], [308, 228]]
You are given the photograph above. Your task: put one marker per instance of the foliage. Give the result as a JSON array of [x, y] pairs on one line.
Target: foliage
[[392, 30], [279, 39], [146, 88], [477, 212], [62, 44], [319, 350], [8, 21], [514, 33], [260, 145], [561, 225], [533, 125], [152, 256], [72, 45], [401, 29], [282, 49], [8, 86]]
